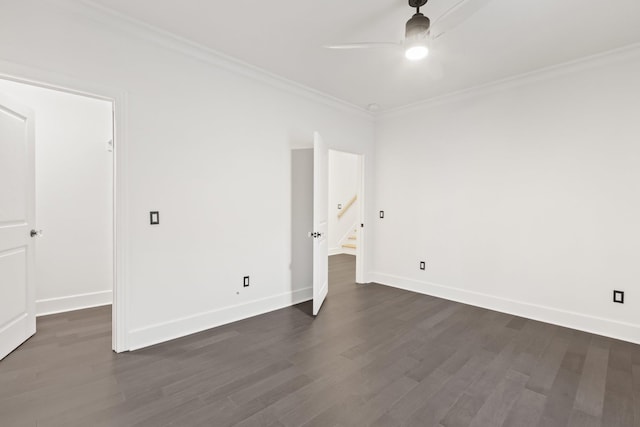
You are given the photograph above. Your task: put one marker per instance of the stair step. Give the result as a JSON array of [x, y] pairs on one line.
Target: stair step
[[352, 237], [349, 245]]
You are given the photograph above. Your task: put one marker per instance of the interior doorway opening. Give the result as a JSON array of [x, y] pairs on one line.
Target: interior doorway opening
[[346, 201], [312, 212], [74, 196]]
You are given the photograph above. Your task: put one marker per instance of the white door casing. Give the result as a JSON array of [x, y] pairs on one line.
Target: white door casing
[[17, 219], [362, 238], [320, 222]]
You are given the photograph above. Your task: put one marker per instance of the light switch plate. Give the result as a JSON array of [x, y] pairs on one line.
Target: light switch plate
[[618, 297], [154, 217]]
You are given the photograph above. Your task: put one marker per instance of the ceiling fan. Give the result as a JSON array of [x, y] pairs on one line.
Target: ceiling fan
[[419, 30]]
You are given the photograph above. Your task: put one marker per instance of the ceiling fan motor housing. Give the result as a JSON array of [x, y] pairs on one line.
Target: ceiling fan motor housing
[[417, 26], [417, 3]]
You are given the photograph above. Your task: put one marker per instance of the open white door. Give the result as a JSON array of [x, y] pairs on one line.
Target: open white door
[[17, 216], [320, 222]]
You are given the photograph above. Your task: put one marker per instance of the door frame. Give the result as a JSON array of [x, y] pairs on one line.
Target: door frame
[[360, 248], [118, 98]]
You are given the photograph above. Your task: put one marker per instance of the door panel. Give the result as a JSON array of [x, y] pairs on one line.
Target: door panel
[[13, 155], [17, 217], [320, 222], [13, 269]]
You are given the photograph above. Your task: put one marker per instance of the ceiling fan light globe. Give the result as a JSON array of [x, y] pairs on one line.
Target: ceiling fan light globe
[[416, 52]]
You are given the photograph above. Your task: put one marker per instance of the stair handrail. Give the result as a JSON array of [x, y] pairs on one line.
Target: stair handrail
[[348, 205]]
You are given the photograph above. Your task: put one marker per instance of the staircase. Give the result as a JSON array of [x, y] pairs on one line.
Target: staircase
[[350, 244], [349, 240]]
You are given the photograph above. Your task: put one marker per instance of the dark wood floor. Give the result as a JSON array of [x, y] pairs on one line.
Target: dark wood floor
[[375, 356]]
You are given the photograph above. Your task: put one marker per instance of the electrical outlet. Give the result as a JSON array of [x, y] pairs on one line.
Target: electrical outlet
[[154, 218], [618, 297], [381, 214], [339, 205], [423, 265], [246, 281]]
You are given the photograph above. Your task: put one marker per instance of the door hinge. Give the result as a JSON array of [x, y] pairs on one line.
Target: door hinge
[[314, 234]]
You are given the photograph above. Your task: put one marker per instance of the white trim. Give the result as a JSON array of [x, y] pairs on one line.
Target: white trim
[[596, 325], [121, 288], [73, 302], [52, 80], [515, 81], [360, 245], [336, 251], [177, 328], [168, 40]]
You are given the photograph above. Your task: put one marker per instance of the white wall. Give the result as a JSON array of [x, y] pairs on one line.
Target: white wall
[[208, 146], [74, 198], [524, 197], [344, 182]]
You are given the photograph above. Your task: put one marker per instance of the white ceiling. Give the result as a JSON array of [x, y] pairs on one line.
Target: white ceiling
[[285, 37]]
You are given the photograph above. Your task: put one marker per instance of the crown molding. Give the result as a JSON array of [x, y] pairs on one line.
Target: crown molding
[[581, 64], [170, 41]]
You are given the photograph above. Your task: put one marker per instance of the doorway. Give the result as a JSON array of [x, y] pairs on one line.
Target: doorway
[[311, 242], [346, 201], [74, 197]]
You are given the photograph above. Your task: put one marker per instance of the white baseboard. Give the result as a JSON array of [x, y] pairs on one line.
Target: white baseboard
[[596, 325], [166, 331], [73, 302]]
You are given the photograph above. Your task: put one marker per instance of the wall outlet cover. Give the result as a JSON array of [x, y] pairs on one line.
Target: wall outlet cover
[[618, 297], [154, 217], [245, 281], [423, 265], [381, 214]]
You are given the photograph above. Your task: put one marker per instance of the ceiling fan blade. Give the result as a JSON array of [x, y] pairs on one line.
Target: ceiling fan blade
[[365, 45], [456, 15]]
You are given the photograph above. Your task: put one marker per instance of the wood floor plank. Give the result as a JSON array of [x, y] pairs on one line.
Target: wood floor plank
[[582, 419], [636, 391], [376, 356], [618, 408], [545, 372], [474, 397], [590, 394], [497, 407], [561, 395], [438, 405], [527, 410]]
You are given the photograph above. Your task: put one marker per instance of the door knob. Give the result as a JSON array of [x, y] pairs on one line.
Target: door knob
[[36, 233]]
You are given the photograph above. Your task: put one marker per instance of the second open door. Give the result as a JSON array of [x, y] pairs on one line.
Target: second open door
[[320, 222]]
